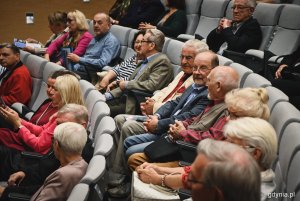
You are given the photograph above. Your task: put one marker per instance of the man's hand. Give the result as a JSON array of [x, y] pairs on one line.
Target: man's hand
[[151, 124], [147, 107], [175, 129], [16, 178], [73, 57], [11, 116]]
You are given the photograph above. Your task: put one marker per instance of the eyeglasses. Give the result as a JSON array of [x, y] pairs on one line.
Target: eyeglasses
[[203, 69], [190, 180], [138, 42], [239, 7], [146, 41]]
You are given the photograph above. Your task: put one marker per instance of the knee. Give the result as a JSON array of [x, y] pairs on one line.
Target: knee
[[120, 120]]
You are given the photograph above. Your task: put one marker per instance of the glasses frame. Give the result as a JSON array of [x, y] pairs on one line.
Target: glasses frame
[[203, 69]]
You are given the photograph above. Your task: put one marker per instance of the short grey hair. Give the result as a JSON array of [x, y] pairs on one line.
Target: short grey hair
[[251, 3], [71, 137], [198, 45], [157, 37], [230, 169], [255, 132], [79, 112], [227, 76]]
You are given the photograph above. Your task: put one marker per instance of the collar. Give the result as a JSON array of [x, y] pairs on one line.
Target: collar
[[99, 37], [197, 87], [150, 58]]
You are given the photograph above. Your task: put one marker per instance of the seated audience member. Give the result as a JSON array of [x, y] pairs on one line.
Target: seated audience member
[[287, 77], [172, 22], [240, 34], [15, 81], [37, 171], [140, 11], [191, 103], [76, 40], [223, 172], [101, 51], [153, 73], [258, 138], [30, 137], [125, 69], [57, 24]]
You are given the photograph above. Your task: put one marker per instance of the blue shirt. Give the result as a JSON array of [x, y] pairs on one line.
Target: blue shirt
[[100, 52]]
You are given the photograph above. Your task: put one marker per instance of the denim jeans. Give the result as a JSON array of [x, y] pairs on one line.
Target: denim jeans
[[137, 143]]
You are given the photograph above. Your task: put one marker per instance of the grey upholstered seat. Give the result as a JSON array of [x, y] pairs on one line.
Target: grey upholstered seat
[[192, 13], [130, 52], [103, 145], [173, 51], [255, 80], [86, 87], [122, 33], [223, 61], [243, 72], [80, 192], [275, 96]]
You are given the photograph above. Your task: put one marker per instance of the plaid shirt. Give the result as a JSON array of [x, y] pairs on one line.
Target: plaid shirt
[[214, 132]]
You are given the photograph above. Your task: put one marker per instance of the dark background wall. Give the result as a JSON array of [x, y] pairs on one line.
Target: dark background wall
[[12, 16]]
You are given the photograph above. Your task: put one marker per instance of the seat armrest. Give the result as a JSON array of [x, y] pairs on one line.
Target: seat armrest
[[34, 155], [186, 145], [185, 37], [255, 53], [103, 145], [18, 197]]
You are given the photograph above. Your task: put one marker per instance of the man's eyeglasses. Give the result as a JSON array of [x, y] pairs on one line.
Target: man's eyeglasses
[[203, 69], [239, 7], [146, 41], [186, 57]]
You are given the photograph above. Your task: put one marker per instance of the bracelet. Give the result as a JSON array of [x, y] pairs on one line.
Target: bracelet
[[163, 178]]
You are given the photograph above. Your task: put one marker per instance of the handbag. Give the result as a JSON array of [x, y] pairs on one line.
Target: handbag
[[141, 191], [162, 150]]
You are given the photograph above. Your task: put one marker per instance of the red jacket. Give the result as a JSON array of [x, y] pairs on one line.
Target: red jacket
[[17, 87]]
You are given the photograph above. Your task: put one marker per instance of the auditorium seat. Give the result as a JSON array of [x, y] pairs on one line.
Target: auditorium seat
[[24, 55], [173, 51], [103, 145], [223, 61], [121, 33], [86, 87], [107, 125], [275, 96], [130, 52], [255, 80], [192, 13], [79, 193], [243, 72]]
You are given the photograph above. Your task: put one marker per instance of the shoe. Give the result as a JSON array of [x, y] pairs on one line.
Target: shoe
[[120, 191], [115, 179]]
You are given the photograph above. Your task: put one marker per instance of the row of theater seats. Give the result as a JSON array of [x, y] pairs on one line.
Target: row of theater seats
[[284, 117], [100, 126]]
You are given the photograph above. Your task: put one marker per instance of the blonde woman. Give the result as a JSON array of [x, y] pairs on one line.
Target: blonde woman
[[76, 40]]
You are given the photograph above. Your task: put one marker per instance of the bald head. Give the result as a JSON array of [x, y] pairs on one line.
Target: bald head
[[221, 80]]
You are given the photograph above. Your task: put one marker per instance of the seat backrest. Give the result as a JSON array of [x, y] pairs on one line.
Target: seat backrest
[[243, 72], [91, 26], [35, 66], [223, 61], [99, 110], [256, 80], [92, 98], [24, 55], [106, 125], [95, 170], [293, 179], [130, 52], [173, 51], [288, 146], [283, 114], [211, 13], [267, 16], [80, 192], [287, 33], [86, 87], [103, 145], [192, 14], [275, 96], [122, 34]]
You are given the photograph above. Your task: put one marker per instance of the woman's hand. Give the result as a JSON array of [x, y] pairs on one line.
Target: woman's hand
[[11, 116], [278, 74], [145, 25]]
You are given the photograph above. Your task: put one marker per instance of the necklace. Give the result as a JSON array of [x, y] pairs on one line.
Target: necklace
[[46, 111]]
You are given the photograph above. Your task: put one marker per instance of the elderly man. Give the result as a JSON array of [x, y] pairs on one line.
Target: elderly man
[[223, 172], [240, 34], [191, 103], [103, 49], [208, 124], [15, 81], [152, 74], [36, 171]]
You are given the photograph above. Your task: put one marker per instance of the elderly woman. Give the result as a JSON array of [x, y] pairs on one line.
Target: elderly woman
[[28, 136], [77, 39], [245, 102], [255, 135], [172, 22], [125, 69]]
